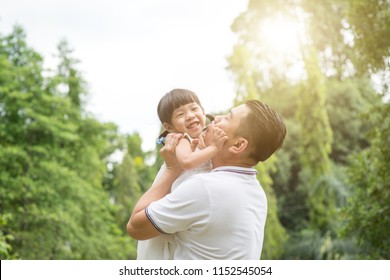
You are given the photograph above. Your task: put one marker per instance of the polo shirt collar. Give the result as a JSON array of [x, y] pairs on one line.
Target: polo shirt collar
[[236, 169]]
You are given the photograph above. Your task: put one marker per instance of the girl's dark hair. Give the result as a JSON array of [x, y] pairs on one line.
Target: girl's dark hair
[[173, 100]]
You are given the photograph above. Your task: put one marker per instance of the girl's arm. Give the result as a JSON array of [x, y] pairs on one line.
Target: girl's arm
[[189, 159]]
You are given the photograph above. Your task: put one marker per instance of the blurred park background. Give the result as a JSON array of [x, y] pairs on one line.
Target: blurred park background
[[324, 65]]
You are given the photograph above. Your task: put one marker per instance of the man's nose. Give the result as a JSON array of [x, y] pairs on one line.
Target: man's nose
[[217, 119]]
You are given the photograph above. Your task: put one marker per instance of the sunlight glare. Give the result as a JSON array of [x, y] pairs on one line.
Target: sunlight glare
[[280, 41], [280, 35]]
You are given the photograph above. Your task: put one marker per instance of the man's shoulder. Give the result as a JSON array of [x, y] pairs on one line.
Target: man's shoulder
[[204, 180], [196, 179], [203, 176]]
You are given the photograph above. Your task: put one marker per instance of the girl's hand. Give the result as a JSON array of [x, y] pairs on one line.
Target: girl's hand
[[215, 136]]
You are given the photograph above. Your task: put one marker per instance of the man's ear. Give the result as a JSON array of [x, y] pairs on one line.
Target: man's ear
[[168, 127], [239, 146]]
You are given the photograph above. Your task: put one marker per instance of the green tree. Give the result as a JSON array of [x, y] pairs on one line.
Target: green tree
[[347, 104], [5, 238], [126, 194], [330, 93], [130, 177], [315, 145], [126, 190], [53, 159], [368, 210], [145, 172], [370, 24], [275, 235]]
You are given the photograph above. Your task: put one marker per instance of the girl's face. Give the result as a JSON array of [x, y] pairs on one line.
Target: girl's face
[[189, 118]]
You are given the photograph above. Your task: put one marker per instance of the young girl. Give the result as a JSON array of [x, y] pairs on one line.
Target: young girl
[[180, 111]]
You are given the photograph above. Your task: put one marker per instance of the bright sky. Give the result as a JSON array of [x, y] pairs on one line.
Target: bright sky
[[133, 52]]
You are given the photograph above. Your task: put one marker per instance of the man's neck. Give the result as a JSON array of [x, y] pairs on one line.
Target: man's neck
[[231, 163]]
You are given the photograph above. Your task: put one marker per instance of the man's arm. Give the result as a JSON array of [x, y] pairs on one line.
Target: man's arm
[[139, 226]]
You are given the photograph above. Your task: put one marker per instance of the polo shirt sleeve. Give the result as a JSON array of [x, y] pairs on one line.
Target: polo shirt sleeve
[[186, 207]]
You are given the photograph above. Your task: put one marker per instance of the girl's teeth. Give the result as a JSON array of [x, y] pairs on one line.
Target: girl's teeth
[[193, 125]]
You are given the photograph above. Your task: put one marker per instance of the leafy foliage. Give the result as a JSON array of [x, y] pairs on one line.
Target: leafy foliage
[[53, 160], [315, 150], [368, 211], [340, 44], [5, 239], [275, 236], [371, 34], [63, 196]]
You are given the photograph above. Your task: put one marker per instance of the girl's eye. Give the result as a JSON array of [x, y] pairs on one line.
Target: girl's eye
[[195, 109], [179, 115]]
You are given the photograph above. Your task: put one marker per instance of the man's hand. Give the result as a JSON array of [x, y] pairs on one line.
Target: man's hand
[[215, 136], [167, 152], [139, 225]]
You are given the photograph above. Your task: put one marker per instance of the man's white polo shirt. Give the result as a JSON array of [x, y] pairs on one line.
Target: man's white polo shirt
[[217, 215]]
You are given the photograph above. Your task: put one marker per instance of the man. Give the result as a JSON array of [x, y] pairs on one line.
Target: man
[[221, 214]]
